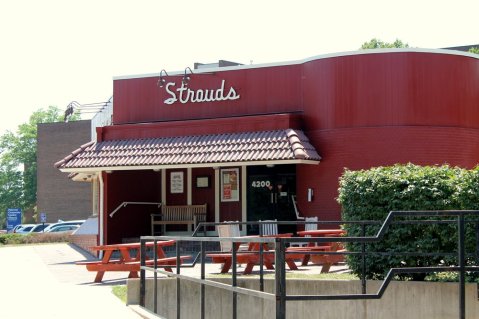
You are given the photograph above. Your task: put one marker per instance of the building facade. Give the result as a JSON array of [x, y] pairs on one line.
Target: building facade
[[57, 196], [246, 139]]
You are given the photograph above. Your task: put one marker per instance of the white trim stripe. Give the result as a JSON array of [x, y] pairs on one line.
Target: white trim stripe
[[306, 60]]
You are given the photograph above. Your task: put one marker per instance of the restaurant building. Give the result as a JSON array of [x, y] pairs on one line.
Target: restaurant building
[[245, 139]]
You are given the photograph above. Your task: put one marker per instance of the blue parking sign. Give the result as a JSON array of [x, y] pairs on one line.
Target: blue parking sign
[[14, 217]]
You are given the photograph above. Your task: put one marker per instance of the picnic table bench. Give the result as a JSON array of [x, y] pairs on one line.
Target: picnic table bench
[[189, 215], [326, 260], [129, 259], [251, 257]]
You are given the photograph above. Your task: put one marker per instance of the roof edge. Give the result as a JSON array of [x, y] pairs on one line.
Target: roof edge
[[306, 60], [176, 166]]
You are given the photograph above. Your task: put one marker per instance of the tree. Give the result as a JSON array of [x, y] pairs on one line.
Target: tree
[[474, 50], [10, 190], [378, 44], [18, 162]]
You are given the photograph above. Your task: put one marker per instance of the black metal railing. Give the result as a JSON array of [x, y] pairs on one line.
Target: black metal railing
[[280, 243]]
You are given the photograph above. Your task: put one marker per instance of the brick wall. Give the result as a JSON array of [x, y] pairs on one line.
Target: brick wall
[[85, 242], [57, 195]]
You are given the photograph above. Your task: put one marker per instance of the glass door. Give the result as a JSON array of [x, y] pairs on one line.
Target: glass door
[[269, 195]]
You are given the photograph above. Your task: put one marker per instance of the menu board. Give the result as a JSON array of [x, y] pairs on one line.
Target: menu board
[[230, 185], [176, 182]]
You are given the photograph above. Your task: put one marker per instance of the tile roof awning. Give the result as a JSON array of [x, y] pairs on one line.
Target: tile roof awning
[[249, 148]]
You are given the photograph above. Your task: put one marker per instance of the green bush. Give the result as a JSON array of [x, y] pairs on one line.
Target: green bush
[[372, 194], [11, 239], [37, 238]]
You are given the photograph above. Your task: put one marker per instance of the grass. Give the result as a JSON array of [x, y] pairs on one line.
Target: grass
[[326, 276], [292, 275], [120, 292]]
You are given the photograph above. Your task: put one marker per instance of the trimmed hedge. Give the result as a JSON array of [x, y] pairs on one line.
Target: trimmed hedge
[[37, 238], [372, 194]]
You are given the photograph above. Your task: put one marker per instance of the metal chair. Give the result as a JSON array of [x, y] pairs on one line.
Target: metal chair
[[269, 228], [228, 229]]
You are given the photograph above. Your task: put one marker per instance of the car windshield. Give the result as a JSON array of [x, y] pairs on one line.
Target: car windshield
[[40, 227], [73, 222], [63, 228]]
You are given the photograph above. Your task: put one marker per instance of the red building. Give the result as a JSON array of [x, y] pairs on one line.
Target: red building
[[243, 139]]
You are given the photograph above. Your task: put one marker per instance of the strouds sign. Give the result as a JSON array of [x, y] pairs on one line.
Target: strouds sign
[[184, 94]]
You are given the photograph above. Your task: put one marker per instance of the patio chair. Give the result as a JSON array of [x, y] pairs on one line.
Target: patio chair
[[269, 228], [228, 229]]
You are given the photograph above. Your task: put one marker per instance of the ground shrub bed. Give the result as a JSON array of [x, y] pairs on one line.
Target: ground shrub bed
[[18, 239], [372, 194]]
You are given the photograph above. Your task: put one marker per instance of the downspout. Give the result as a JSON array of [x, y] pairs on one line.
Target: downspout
[[101, 213], [244, 197], [217, 194]]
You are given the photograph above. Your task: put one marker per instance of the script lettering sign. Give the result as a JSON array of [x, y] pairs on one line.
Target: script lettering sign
[[185, 95]]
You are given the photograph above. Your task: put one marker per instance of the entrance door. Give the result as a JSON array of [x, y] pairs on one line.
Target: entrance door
[[269, 195]]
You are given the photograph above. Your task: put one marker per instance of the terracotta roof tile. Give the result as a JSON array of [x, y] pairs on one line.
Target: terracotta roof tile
[[202, 149]]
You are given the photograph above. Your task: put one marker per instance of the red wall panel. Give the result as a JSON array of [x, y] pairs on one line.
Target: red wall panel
[[391, 89], [204, 195], [261, 90], [363, 148], [359, 111], [131, 186], [201, 127]]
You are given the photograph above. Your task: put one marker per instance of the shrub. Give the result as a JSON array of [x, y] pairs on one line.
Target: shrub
[[36, 238], [372, 194]]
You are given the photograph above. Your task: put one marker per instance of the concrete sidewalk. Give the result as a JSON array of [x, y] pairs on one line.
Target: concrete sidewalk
[[42, 281]]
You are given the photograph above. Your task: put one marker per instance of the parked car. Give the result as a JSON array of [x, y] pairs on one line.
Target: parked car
[[39, 228], [70, 222], [25, 229], [63, 228], [16, 228]]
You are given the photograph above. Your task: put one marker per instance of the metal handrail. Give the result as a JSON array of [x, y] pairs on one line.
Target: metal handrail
[[280, 296], [124, 204]]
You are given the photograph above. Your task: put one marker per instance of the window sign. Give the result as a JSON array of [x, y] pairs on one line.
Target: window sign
[[202, 181], [229, 185], [176, 182]]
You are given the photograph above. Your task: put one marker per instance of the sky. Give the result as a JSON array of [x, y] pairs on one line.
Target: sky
[[54, 52]]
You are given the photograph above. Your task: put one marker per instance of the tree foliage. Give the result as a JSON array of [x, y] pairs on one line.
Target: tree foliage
[[474, 50], [372, 194], [18, 162], [378, 44]]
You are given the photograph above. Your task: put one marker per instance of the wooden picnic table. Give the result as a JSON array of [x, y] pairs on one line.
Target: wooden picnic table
[[129, 258], [326, 260], [251, 257], [322, 232]]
